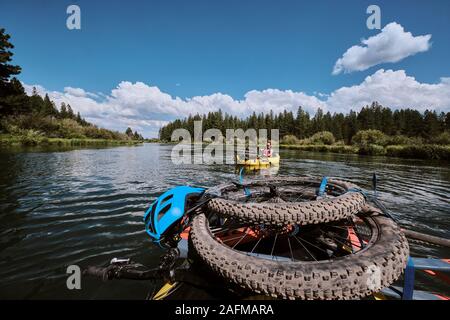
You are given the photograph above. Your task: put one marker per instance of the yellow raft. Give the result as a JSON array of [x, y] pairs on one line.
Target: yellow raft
[[260, 162]]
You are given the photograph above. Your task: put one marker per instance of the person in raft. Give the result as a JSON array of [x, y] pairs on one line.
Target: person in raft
[[267, 152], [247, 153]]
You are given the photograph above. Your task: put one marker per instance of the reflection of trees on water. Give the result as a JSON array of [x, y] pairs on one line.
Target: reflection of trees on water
[[11, 219]]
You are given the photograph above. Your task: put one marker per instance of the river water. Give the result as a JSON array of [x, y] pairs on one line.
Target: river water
[[85, 206]]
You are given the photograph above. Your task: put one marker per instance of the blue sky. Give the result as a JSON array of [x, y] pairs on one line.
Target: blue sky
[[200, 48]]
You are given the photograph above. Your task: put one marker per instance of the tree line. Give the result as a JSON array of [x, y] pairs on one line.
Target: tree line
[[17, 109], [408, 122]]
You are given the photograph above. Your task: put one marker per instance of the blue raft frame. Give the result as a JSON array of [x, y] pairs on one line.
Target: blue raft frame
[[408, 292]]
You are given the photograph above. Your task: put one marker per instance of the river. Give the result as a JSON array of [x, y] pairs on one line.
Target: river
[[85, 206]]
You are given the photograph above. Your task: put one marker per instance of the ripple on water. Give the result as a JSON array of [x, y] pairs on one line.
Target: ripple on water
[[86, 206]]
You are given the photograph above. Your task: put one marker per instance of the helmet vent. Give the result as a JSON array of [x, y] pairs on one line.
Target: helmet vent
[[163, 211]]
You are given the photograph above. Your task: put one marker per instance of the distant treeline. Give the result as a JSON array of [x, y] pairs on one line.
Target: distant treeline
[[405, 122], [32, 119]]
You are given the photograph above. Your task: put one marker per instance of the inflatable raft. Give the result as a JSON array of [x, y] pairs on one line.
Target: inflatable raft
[[259, 162]]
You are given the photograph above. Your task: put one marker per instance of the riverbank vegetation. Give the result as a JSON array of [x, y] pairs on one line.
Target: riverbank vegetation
[[33, 119], [375, 143], [33, 139], [375, 130]]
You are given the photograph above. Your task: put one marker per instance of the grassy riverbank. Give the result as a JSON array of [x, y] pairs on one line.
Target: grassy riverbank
[[420, 151], [375, 143], [424, 151], [23, 140], [38, 130]]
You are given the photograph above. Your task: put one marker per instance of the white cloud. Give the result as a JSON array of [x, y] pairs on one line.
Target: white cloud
[[146, 108], [77, 92], [392, 44], [394, 89]]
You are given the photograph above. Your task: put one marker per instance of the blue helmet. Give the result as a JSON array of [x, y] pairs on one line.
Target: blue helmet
[[168, 209]]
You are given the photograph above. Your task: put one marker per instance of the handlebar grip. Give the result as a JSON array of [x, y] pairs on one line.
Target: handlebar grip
[[99, 272]]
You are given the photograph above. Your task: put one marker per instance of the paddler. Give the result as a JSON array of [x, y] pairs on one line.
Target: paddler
[[268, 151]]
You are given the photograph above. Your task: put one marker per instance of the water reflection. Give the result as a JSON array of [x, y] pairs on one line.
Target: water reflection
[[84, 206]]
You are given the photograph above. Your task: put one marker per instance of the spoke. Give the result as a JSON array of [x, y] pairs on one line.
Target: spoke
[[345, 239], [290, 249], [305, 248], [246, 233], [218, 230], [273, 247], [259, 240], [349, 243], [301, 195], [263, 196], [314, 246], [298, 198], [344, 244], [229, 226], [231, 239], [339, 227]]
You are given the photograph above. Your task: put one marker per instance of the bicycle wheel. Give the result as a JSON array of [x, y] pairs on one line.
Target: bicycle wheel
[[289, 200], [338, 260]]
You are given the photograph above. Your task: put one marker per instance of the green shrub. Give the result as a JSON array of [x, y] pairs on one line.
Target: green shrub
[[364, 138], [30, 137], [322, 137], [442, 139], [100, 133], [426, 151], [48, 125], [323, 148], [372, 149], [53, 127], [69, 128], [402, 140], [12, 128], [44, 141], [105, 134], [290, 140]]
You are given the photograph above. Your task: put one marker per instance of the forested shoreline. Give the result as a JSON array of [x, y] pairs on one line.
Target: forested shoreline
[[35, 120], [374, 130]]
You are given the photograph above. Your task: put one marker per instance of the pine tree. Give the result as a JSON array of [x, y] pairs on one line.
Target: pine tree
[[49, 108], [447, 121], [302, 123], [317, 122], [431, 124], [337, 126], [351, 126], [129, 132], [36, 102], [63, 113], [6, 70], [70, 113], [79, 119], [11, 93], [16, 101]]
